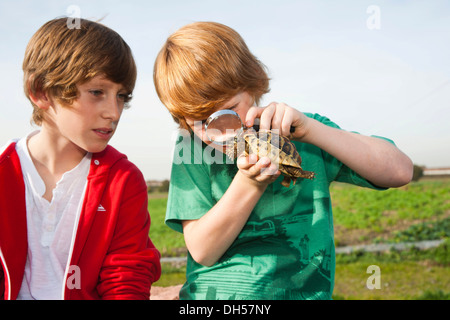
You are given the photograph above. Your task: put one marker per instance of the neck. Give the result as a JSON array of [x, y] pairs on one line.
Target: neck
[[54, 153]]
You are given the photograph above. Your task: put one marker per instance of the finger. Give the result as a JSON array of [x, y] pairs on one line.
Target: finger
[[253, 113], [266, 116], [262, 163], [252, 158], [276, 119], [286, 123], [269, 175], [243, 163], [296, 120], [271, 170], [246, 162]]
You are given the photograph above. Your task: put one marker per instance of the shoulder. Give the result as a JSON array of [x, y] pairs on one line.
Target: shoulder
[[111, 158], [7, 149]]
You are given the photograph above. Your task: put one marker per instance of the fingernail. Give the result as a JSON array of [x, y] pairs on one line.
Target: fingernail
[[252, 158]]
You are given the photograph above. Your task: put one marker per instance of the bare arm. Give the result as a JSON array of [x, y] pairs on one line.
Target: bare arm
[[378, 161], [375, 159], [209, 237]]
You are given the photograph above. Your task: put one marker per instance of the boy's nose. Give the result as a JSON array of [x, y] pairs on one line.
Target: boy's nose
[[113, 109]]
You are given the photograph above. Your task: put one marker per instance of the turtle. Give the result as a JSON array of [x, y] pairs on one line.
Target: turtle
[[277, 147]]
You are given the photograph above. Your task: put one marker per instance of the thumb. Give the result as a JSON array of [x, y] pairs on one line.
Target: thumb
[[245, 162]]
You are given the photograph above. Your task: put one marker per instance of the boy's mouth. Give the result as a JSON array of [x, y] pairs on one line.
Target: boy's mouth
[[104, 133], [103, 130]]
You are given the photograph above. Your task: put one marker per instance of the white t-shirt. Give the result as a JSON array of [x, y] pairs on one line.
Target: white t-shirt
[[51, 226]]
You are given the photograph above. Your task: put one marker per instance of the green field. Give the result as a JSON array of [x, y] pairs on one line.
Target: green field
[[419, 211]]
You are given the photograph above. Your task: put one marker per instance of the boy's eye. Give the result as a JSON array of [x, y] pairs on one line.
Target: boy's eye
[[95, 93], [125, 97]]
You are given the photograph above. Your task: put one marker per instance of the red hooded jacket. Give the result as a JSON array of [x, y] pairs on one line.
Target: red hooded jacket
[[112, 256]]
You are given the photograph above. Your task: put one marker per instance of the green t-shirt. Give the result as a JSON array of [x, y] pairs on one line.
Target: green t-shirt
[[286, 248]]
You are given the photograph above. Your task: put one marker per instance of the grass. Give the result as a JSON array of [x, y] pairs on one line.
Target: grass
[[411, 274], [419, 211], [408, 274], [171, 275], [367, 216], [169, 242]]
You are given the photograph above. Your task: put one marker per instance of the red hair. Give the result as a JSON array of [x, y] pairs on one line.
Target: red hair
[[202, 65]]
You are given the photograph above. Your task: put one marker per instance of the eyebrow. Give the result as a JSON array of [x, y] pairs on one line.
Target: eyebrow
[[104, 82]]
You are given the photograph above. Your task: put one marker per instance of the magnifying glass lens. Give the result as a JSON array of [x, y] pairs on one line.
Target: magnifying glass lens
[[222, 126]]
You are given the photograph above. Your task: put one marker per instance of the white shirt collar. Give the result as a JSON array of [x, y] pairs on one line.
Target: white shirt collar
[[28, 169]]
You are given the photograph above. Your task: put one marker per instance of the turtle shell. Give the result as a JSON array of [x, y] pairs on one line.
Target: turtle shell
[[278, 148]]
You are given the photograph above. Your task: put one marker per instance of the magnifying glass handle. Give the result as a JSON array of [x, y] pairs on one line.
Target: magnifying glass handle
[[256, 127]]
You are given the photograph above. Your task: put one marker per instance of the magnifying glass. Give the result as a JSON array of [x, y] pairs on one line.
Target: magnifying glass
[[223, 126]]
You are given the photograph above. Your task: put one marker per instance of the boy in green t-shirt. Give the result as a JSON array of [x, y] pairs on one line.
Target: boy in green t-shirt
[[248, 237]]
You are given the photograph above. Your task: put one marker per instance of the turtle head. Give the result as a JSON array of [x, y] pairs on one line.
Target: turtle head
[[234, 146], [231, 148]]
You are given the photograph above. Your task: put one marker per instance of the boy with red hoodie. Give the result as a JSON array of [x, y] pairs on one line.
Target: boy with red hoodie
[[74, 221]]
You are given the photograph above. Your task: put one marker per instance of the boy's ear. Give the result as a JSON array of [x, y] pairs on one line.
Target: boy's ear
[[40, 99]]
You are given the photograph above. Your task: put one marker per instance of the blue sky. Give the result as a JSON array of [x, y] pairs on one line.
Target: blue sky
[[384, 72]]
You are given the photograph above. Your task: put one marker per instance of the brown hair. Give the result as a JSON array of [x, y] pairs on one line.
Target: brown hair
[[202, 65], [58, 58]]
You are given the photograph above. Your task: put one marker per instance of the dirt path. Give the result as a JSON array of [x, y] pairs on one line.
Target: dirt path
[[165, 293]]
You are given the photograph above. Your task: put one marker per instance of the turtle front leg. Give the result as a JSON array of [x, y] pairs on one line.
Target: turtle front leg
[[286, 181], [231, 150]]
